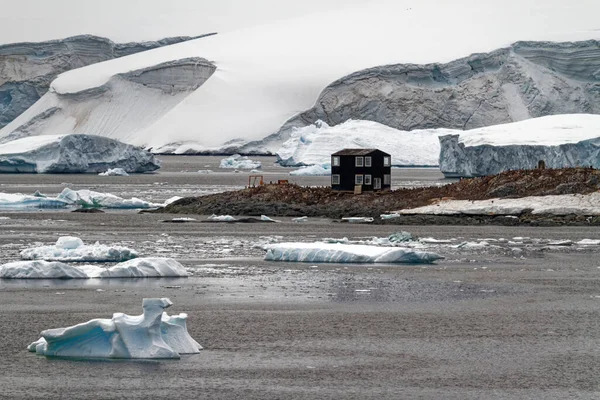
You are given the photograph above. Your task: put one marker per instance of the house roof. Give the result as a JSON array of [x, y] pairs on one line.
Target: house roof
[[356, 152]]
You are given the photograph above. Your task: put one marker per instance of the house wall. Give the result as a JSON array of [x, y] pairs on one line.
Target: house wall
[[348, 170]]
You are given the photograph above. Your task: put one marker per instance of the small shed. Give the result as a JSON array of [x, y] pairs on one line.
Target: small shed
[[361, 170]]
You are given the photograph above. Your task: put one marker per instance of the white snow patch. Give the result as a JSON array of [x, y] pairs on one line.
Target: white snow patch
[[343, 253], [68, 248], [154, 334]]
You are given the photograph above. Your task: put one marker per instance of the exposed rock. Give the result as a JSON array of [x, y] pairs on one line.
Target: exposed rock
[[525, 80], [27, 69]]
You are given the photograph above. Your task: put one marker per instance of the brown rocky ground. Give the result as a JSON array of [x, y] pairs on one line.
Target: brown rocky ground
[[293, 200]]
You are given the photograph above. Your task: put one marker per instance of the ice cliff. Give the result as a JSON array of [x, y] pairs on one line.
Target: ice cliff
[[27, 69], [559, 141], [154, 334], [73, 154], [244, 84]]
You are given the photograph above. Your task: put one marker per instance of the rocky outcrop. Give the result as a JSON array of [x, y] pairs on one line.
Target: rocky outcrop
[[525, 80], [27, 69]]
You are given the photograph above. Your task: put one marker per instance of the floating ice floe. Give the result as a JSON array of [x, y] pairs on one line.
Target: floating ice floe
[[90, 199], [73, 154], [390, 216], [589, 242], [343, 253], [17, 201], [313, 170], [205, 171], [300, 219], [239, 162], [114, 172], [68, 248], [264, 218], [152, 335], [358, 220], [588, 204], [136, 268], [183, 219], [222, 218]]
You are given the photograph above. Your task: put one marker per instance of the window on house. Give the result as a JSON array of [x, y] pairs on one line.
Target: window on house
[[387, 161], [367, 161], [335, 179], [387, 179], [335, 161], [359, 161], [367, 179], [358, 180]]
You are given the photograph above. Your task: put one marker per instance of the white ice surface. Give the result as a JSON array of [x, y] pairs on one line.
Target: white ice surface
[[556, 205], [89, 198], [69, 248], [239, 162], [314, 144], [268, 73], [343, 253], [136, 268], [222, 218], [312, 170], [16, 201], [152, 335], [114, 172]]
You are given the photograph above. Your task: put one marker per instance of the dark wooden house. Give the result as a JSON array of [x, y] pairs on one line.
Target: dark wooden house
[[361, 170]]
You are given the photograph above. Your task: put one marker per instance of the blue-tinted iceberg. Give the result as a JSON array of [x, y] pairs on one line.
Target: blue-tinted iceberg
[[239, 162], [73, 154], [344, 253], [152, 335], [18, 201], [68, 248]]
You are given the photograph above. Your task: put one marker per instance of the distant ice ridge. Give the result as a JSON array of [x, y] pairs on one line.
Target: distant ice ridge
[[239, 162], [556, 205], [258, 80], [569, 140], [314, 144], [73, 154], [343, 253], [136, 268], [69, 248], [152, 335]]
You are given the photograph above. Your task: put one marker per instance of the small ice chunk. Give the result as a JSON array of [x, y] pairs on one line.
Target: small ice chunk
[[114, 172], [358, 220], [264, 218], [205, 171], [222, 218], [589, 242], [152, 335], [69, 248], [300, 219], [390, 216], [402, 236]]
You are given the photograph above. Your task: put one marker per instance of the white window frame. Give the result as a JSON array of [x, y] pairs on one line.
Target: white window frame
[[387, 161], [387, 179], [335, 161], [335, 178], [358, 179], [368, 161], [377, 184], [359, 161], [368, 180]]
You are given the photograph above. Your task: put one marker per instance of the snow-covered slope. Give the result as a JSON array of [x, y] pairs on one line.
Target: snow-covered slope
[[559, 141], [73, 154], [268, 73]]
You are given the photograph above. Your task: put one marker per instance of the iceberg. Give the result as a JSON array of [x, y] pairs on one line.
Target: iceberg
[[571, 140], [18, 201], [114, 172], [68, 248], [90, 199], [136, 268], [238, 162], [221, 218], [588, 204], [73, 154], [172, 97], [313, 170], [345, 253], [152, 335]]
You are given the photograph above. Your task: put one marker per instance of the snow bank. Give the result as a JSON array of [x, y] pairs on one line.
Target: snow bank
[[559, 140], [238, 162], [69, 248], [114, 172], [263, 77], [314, 144], [154, 334], [313, 170], [73, 154], [556, 205], [342, 253], [136, 268]]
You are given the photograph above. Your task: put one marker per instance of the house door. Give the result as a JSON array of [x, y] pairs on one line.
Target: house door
[[377, 183]]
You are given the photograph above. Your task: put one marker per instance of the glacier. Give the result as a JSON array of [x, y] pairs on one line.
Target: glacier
[[135, 268], [247, 83], [152, 335], [343, 253], [73, 154], [570, 140], [69, 248]]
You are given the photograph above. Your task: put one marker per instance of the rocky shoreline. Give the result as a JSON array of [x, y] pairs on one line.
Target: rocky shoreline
[[296, 201]]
